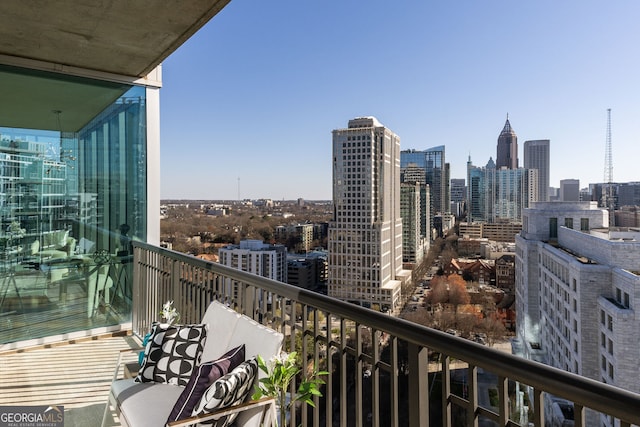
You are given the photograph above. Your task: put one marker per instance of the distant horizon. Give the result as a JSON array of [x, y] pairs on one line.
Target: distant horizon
[[241, 200]]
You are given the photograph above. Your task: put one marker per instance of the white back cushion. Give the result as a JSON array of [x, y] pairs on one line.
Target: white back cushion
[[221, 321]]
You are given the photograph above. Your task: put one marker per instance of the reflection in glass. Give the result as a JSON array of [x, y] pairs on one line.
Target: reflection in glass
[[71, 200]]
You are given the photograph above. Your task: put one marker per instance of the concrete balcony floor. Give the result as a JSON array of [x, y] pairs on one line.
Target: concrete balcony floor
[[76, 375]]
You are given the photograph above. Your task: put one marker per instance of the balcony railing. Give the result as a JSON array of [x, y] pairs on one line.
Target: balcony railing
[[385, 370]]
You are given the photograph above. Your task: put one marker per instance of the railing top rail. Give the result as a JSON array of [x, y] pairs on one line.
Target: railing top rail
[[590, 393]]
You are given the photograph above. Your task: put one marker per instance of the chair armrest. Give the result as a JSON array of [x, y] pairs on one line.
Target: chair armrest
[[128, 350], [119, 362], [268, 418]]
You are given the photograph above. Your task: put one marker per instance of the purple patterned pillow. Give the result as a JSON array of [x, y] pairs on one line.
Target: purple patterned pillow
[[172, 353], [201, 378]]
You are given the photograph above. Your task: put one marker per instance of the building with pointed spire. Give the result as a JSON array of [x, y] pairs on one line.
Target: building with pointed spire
[[507, 155]]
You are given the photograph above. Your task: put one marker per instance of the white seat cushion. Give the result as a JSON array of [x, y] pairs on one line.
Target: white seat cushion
[[144, 404]]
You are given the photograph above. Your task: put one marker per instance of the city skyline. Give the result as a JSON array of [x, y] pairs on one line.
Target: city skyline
[[274, 80]]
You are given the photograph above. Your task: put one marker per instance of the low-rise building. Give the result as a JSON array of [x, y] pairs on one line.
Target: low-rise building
[[506, 272]]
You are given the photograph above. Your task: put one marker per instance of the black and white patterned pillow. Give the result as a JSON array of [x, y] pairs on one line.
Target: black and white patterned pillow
[[172, 353], [230, 389]]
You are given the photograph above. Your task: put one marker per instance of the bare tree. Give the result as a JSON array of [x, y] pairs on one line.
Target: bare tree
[[466, 323], [446, 320], [494, 327], [457, 291], [439, 291]]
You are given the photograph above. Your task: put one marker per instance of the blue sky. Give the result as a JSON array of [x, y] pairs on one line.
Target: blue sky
[[253, 96]]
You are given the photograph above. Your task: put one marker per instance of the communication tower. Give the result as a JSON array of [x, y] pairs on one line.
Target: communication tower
[[607, 191]]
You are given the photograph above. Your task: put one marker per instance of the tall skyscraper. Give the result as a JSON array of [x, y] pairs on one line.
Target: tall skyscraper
[[515, 190], [458, 190], [536, 156], [458, 195], [365, 233], [414, 242], [499, 194], [507, 155], [431, 164]]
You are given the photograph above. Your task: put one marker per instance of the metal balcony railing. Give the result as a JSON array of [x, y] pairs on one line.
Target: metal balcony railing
[[385, 371]]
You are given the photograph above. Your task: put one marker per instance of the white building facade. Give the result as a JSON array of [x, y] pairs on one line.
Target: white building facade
[[257, 257], [365, 234], [577, 292]]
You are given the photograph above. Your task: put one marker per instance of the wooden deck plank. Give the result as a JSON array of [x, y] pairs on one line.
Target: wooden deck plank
[[76, 375]]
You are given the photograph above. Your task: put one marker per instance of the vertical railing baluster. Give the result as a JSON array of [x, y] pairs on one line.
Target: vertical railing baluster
[[579, 416], [375, 377], [303, 354], [174, 283], [137, 288], [328, 413], [316, 364], [358, 376], [395, 399], [472, 391], [503, 402], [538, 407], [418, 385], [343, 373], [446, 391]]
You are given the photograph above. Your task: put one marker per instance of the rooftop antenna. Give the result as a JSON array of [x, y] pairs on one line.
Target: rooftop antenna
[[607, 193]]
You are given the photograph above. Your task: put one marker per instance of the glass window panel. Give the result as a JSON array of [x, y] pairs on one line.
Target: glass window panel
[[72, 197]]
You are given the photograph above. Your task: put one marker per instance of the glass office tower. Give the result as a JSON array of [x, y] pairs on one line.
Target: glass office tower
[[436, 171], [73, 183]]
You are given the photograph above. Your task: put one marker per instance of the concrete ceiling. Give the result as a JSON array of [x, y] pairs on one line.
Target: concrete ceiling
[[31, 100], [125, 37]]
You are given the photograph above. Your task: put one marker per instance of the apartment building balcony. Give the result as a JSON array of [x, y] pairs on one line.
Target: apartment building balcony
[[385, 371]]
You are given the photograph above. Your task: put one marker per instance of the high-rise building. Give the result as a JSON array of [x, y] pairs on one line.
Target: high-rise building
[[577, 287], [629, 194], [458, 190], [431, 164], [298, 237], [515, 190], [479, 193], [414, 243], [458, 196], [507, 155], [365, 233], [569, 190], [536, 156], [499, 194], [623, 194]]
